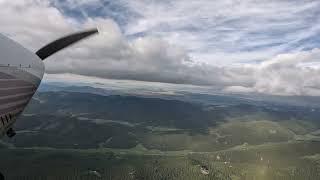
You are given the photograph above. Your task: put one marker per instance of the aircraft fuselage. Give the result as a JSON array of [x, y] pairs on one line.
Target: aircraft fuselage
[[21, 72], [20, 75]]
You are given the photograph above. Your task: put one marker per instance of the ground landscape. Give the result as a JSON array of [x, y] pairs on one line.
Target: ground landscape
[[90, 134]]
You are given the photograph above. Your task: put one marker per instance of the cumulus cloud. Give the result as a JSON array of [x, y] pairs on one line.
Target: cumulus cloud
[[286, 74], [155, 58], [32, 22]]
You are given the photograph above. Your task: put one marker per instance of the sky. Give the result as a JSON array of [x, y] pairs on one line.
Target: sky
[[238, 46]]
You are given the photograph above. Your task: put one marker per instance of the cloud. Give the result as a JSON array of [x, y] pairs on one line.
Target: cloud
[[226, 31], [172, 45], [32, 22], [286, 74], [110, 55]]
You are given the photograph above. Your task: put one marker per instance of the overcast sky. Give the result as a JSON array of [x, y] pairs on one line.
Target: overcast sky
[[265, 46]]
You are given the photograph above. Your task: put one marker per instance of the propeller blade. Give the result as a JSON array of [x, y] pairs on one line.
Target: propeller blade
[[63, 42]]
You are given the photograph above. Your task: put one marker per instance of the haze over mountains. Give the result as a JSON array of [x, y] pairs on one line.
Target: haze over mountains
[[88, 117], [203, 94]]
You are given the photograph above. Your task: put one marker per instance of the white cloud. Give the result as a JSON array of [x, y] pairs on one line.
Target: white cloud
[[285, 74], [221, 32], [32, 22], [157, 58]]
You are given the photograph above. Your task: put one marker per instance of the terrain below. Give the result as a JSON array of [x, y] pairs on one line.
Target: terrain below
[[90, 136]]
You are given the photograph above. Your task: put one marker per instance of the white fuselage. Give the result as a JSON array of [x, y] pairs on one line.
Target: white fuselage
[[21, 72]]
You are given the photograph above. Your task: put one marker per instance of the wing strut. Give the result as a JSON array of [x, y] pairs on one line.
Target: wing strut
[[63, 42]]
